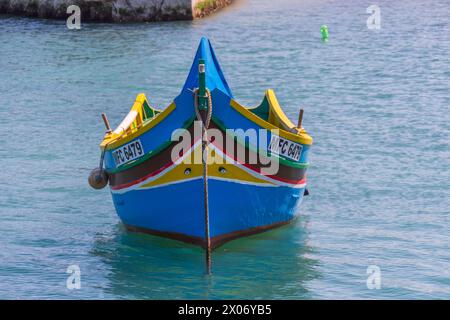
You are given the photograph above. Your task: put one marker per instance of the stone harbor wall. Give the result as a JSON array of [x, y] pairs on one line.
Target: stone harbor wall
[[115, 10]]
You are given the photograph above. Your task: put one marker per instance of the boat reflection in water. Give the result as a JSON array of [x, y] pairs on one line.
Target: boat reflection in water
[[276, 264]]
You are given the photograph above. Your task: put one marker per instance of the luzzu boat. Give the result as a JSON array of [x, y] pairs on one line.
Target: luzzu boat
[[161, 184]]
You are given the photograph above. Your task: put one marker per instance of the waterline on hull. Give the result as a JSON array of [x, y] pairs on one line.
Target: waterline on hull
[[215, 241]]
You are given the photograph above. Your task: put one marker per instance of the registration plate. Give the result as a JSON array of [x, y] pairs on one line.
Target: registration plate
[[285, 148], [128, 152]]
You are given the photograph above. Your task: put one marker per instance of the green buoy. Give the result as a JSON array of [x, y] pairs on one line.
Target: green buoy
[[324, 32]]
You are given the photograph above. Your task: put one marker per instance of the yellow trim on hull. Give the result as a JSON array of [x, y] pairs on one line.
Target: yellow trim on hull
[[233, 172], [113, 140], [277, 120], [176, 175]]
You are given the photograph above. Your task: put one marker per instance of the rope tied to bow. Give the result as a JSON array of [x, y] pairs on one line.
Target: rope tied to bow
[[206, 122], [205, 125]]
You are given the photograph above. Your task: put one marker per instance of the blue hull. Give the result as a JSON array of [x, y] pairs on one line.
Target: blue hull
[[177, 211]]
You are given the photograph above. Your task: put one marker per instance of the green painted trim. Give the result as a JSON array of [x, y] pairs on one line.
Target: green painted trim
[[186, 124], [284, 161], [149, 112], [149, 155], [262, 110], [202, 102]]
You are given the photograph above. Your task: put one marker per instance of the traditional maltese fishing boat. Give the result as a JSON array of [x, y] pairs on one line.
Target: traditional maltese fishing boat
[[206, 169]]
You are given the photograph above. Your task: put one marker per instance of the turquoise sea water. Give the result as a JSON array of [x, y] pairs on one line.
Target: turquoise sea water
[[376, 102]]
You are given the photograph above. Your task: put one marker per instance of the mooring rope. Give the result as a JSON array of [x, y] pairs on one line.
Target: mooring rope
[[197, 112], [205, 126], [102, 158]]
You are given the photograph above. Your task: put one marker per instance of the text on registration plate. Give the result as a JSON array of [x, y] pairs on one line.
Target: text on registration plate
[[285, 148], [128, 152]]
